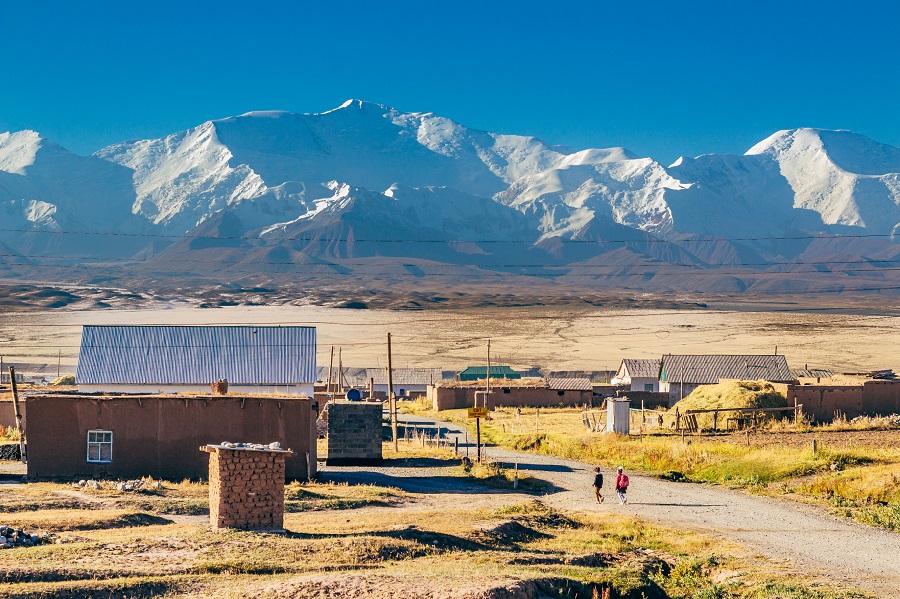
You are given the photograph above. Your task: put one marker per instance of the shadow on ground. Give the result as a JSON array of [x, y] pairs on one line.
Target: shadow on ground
[[426, 484]]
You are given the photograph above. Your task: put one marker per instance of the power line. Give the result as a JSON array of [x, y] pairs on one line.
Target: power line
[[188, 236], [299, 269], [191, 260]]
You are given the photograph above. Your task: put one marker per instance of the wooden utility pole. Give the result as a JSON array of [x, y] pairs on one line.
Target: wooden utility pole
[[19, 427], [340, 382], [58, 359], [488, 377], [330, 368], [478, 438], [392, 399]]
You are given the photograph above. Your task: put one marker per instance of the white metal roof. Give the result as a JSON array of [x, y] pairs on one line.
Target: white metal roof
[[167, 355]]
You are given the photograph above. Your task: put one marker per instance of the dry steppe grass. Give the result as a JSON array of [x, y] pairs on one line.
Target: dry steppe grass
[[856, 472], [521, 549]]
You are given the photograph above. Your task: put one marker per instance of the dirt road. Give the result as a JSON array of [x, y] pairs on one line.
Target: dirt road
[[837, 549]]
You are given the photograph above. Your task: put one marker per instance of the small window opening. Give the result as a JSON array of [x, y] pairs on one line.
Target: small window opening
[[99, 447]]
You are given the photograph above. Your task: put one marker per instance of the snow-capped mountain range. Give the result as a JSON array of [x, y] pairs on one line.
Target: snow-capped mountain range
[[366, 180]]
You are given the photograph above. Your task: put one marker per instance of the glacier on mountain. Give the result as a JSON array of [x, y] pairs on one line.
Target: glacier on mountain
[[347, 181]]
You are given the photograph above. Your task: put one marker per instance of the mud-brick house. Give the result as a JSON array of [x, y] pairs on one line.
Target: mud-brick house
[[638, 375], [681, 374], [72, 436], [187, 359], [526, 392]]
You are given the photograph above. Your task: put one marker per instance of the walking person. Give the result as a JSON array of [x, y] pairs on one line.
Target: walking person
[[598, 484], [621, 485]]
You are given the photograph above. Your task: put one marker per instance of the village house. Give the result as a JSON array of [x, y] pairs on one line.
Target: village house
[[73, 436], [681, 374], [638, 375], [513, 393], [188, 359]]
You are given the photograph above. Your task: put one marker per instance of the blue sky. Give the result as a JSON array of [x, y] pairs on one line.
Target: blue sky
[[660, 78]]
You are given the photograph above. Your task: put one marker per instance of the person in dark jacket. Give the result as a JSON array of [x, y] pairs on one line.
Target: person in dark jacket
[[598, 484]]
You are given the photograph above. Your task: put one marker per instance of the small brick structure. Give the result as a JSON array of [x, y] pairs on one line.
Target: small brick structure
[[354, 433], [246, 486]]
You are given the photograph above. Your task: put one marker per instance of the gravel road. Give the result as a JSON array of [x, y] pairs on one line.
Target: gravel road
[[838, 550]]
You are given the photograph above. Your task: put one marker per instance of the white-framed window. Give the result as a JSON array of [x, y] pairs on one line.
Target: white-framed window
[[99, 447], [648, 386]]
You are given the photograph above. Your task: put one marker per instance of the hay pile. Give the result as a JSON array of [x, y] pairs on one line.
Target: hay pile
[[733, 394]]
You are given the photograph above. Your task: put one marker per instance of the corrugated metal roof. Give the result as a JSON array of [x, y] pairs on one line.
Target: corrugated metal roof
[[167, 355], [496, 371], [359, 377], [569, 384], [642, 369], [812, 373], [596, 376], [707, 370], [405, 376]]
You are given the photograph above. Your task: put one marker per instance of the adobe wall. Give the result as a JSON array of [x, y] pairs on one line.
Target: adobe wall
[[678, 391], [450, 398], [8, 413], [881, 398], [651, 399], [298, 389], [820, 402], [159, 435]]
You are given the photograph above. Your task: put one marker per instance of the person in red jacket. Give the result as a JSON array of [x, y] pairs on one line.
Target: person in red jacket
[[621, 485]]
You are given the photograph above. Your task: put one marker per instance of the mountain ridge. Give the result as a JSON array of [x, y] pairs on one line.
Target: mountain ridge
[[365, 171]]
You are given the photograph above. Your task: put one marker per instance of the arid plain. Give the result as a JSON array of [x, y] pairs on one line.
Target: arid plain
[[845, 338]]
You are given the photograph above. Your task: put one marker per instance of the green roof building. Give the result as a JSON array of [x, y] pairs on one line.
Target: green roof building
[[474, 373]]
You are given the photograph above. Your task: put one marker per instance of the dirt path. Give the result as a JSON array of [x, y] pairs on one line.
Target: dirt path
[[836, 549]]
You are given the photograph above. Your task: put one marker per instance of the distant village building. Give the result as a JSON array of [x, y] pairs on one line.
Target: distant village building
[[526, 392], [597, 377], [825, 402], [408, 382], [569, 383], [639, 375], [680, 374], [179, 359], [474, 373], [4, 378]]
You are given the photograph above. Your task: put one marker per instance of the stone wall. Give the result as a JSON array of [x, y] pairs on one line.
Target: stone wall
[[354, 433], [246, 488]]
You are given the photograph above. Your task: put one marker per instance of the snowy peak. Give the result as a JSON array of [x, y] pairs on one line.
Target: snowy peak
[[847, 178], [185, 177], [848, 151], [18, 150], [364, 180]]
